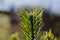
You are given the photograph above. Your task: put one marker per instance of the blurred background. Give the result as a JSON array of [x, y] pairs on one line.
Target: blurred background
[[31, 19]]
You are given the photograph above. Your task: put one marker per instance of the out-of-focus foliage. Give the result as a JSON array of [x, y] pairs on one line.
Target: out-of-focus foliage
[[14, 36]]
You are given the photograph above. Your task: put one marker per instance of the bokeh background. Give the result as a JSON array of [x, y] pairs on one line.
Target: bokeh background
[[30, 14]]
